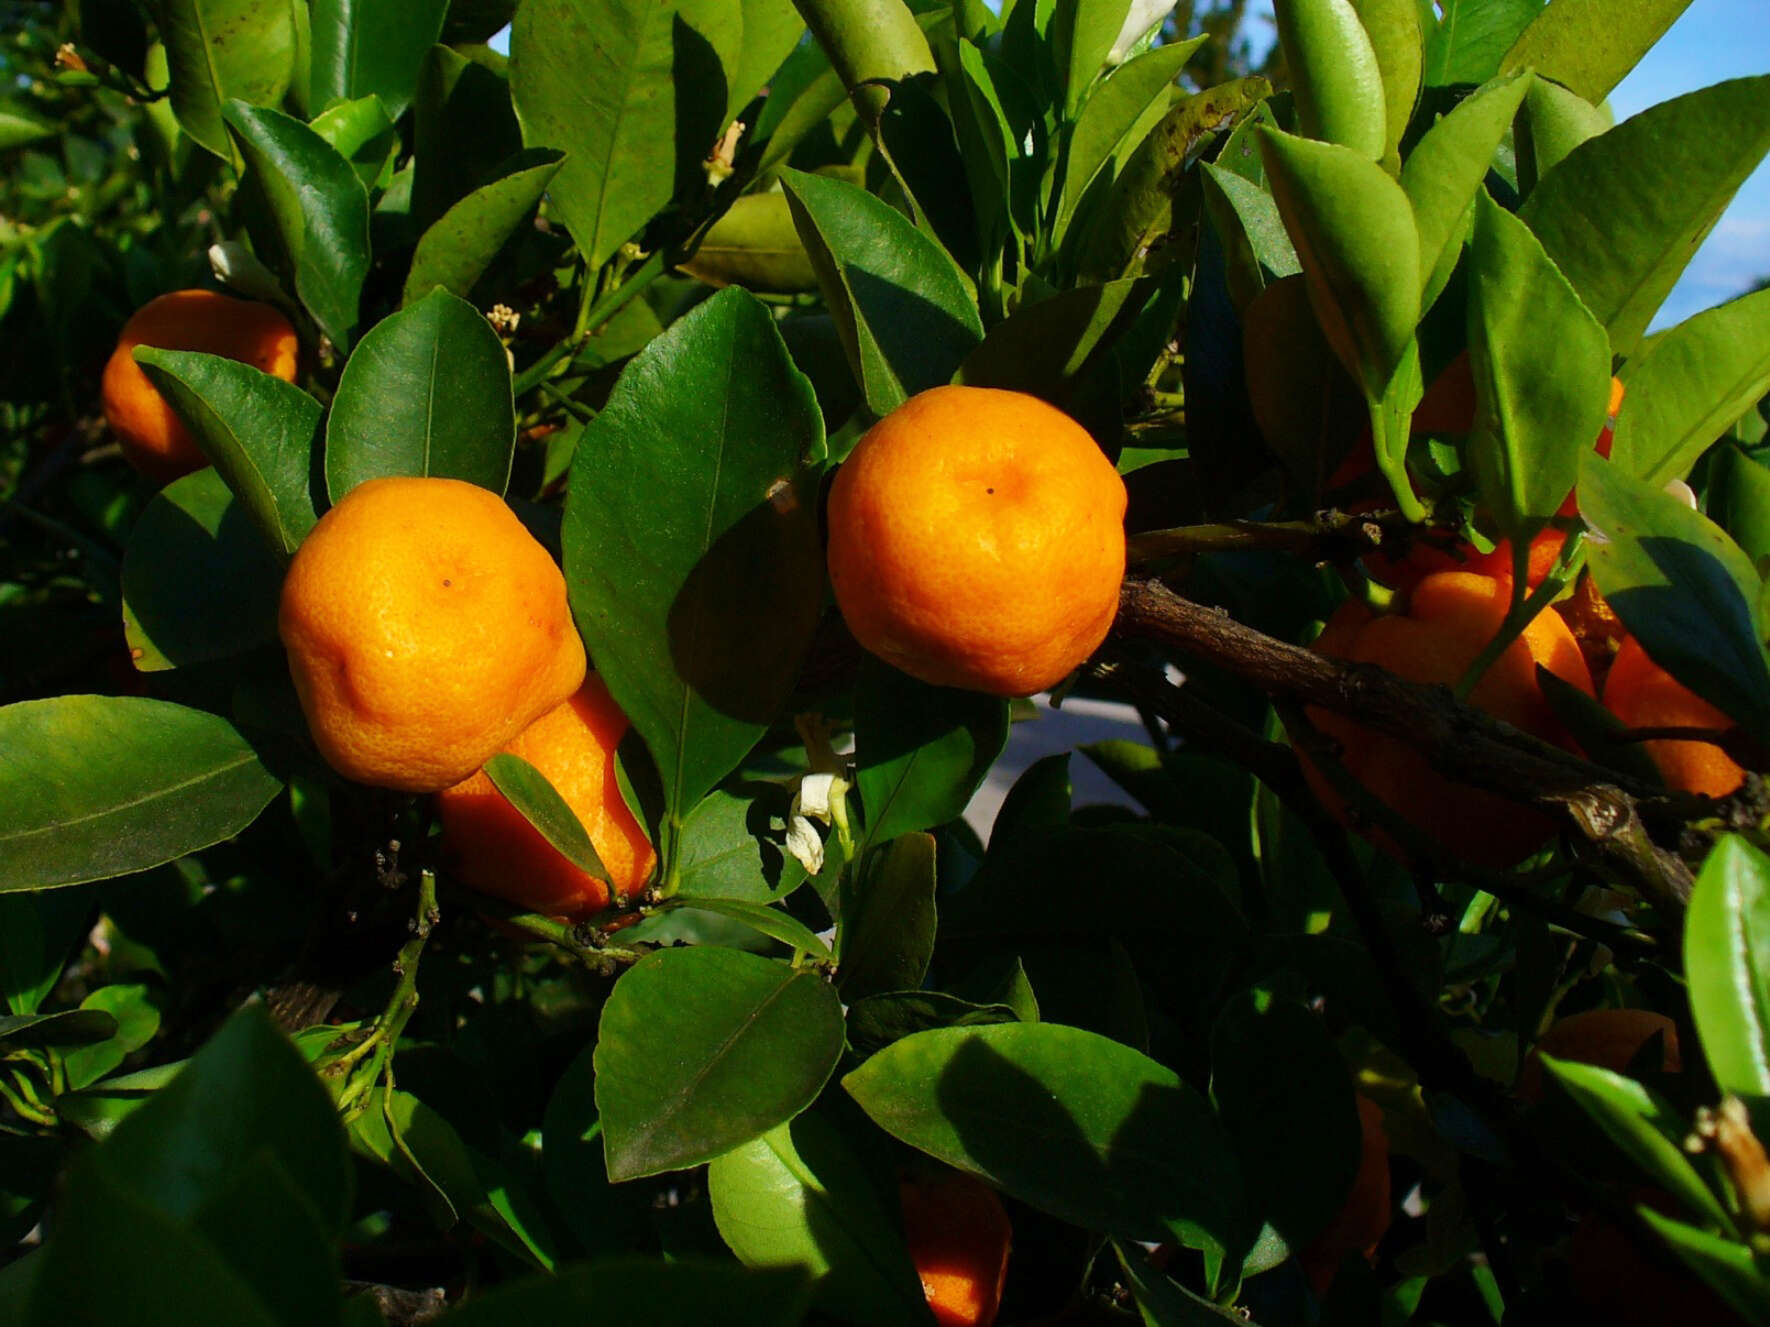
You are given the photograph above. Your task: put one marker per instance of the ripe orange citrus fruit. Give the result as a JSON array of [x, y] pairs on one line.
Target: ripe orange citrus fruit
[[151, 435], [1363, 1219], [1608, 1038], [1643, 695], [425, 628], [959, 1239], [1450, 618], [977, 540], [494, 849]]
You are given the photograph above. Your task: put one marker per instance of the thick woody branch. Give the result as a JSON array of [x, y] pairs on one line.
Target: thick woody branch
[[1602, 806]]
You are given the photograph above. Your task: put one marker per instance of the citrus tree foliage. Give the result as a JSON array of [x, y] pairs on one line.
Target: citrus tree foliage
[[651, 276]]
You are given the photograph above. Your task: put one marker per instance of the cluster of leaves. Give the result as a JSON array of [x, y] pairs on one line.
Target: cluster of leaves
[[1143, 1028]]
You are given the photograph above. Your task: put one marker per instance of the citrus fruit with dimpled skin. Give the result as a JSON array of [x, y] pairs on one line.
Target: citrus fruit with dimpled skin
[[493, 848], [1450, 618], [1643, 695], [425, 628], [977, 540], [1608, 1038], [959, 1238], [153, 438]]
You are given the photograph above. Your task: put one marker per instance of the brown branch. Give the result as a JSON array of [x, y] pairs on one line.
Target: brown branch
[[1603, 807], [1331, 536]]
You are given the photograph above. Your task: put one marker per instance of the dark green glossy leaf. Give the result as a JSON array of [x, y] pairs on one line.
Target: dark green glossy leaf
[[1622, 214], [754, 245], [99, 1110], [314, 213], [20, 127], [772, 922], [1069, 1122], [1600, 734], [1444, 171], [751, 1040], [901, 307], [875, 1021], [633, 93], [1739, 500], [265, 1227], [887, 930], [1081, 34], [598, 1213], [1727, 958], [920, 751], [1472, 37], [1148, 202], [1297, 388], [1648, 1128], [1690, 386], [772, 29], [463, 241], [798, 1197], [1165, 1303], [1588, 45], [71, 1027], [426, 393], [646, 1293], [1051, 347], [1541, 365], [1039, 800], [1681, 587], [691, 544], [1335, 74], [97, 786], [528, 790], [464, 131], [219, 50], [1728, 1268], [1354, 232], [1286, 1099], [361, 132], [364, 48], [37, 933], [985, 139], [198, 581], [258, 430], [733, 846], [137, 1020]]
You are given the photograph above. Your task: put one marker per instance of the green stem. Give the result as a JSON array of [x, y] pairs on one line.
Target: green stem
[[1393, 466], [384, 1039], [1524, 608], [593, 314]]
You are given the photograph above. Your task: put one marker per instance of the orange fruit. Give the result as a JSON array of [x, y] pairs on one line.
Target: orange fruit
[[1608, 1038], [495, 850], [425, 629], [1363, 1219], [151, 435], [1643, 695], [959, 1239], [1449, 619], [977, 540], [1623, 1282]]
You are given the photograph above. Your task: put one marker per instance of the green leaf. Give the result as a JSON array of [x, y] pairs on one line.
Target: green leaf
[[1148, 200], [198, 581], [645, 1292], [1354, 232], [887, 929], [1252, 232], [598, 1213], [691, 543], [1162, 1302], [1649, 1129], [1051, 348], [733, 846], [99, 1110], [20, 127], [70, 1027], [772, 922], [1393, 27], [464, 132], [426, 393], [463, 241], [1105, 133], [1472, 37], [1444, 171], [314, 214], [361, 132], [137, 1020], [1728, 1268], [221, 50], [1588, 45], [1727, 961], [258, 430], [1739, 500], [1690, 386], [37, 933], [1541, 365], [902, 309], [528, 790], [634, 93], [875, 1021], [798, 1197], [754, 245], [752, 1042], [1682, 587], [98, 786], [248, 1092], [364, 48], [1335, 75], [920, 751], [1623, 212], [1081, 34], [985, 140], [1286, 1099], [1297, 389], [1068, 1122]]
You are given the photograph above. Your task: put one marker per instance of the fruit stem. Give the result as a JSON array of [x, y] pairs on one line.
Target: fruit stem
[[378, 1047], [1524, 608], [1393, 465]]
